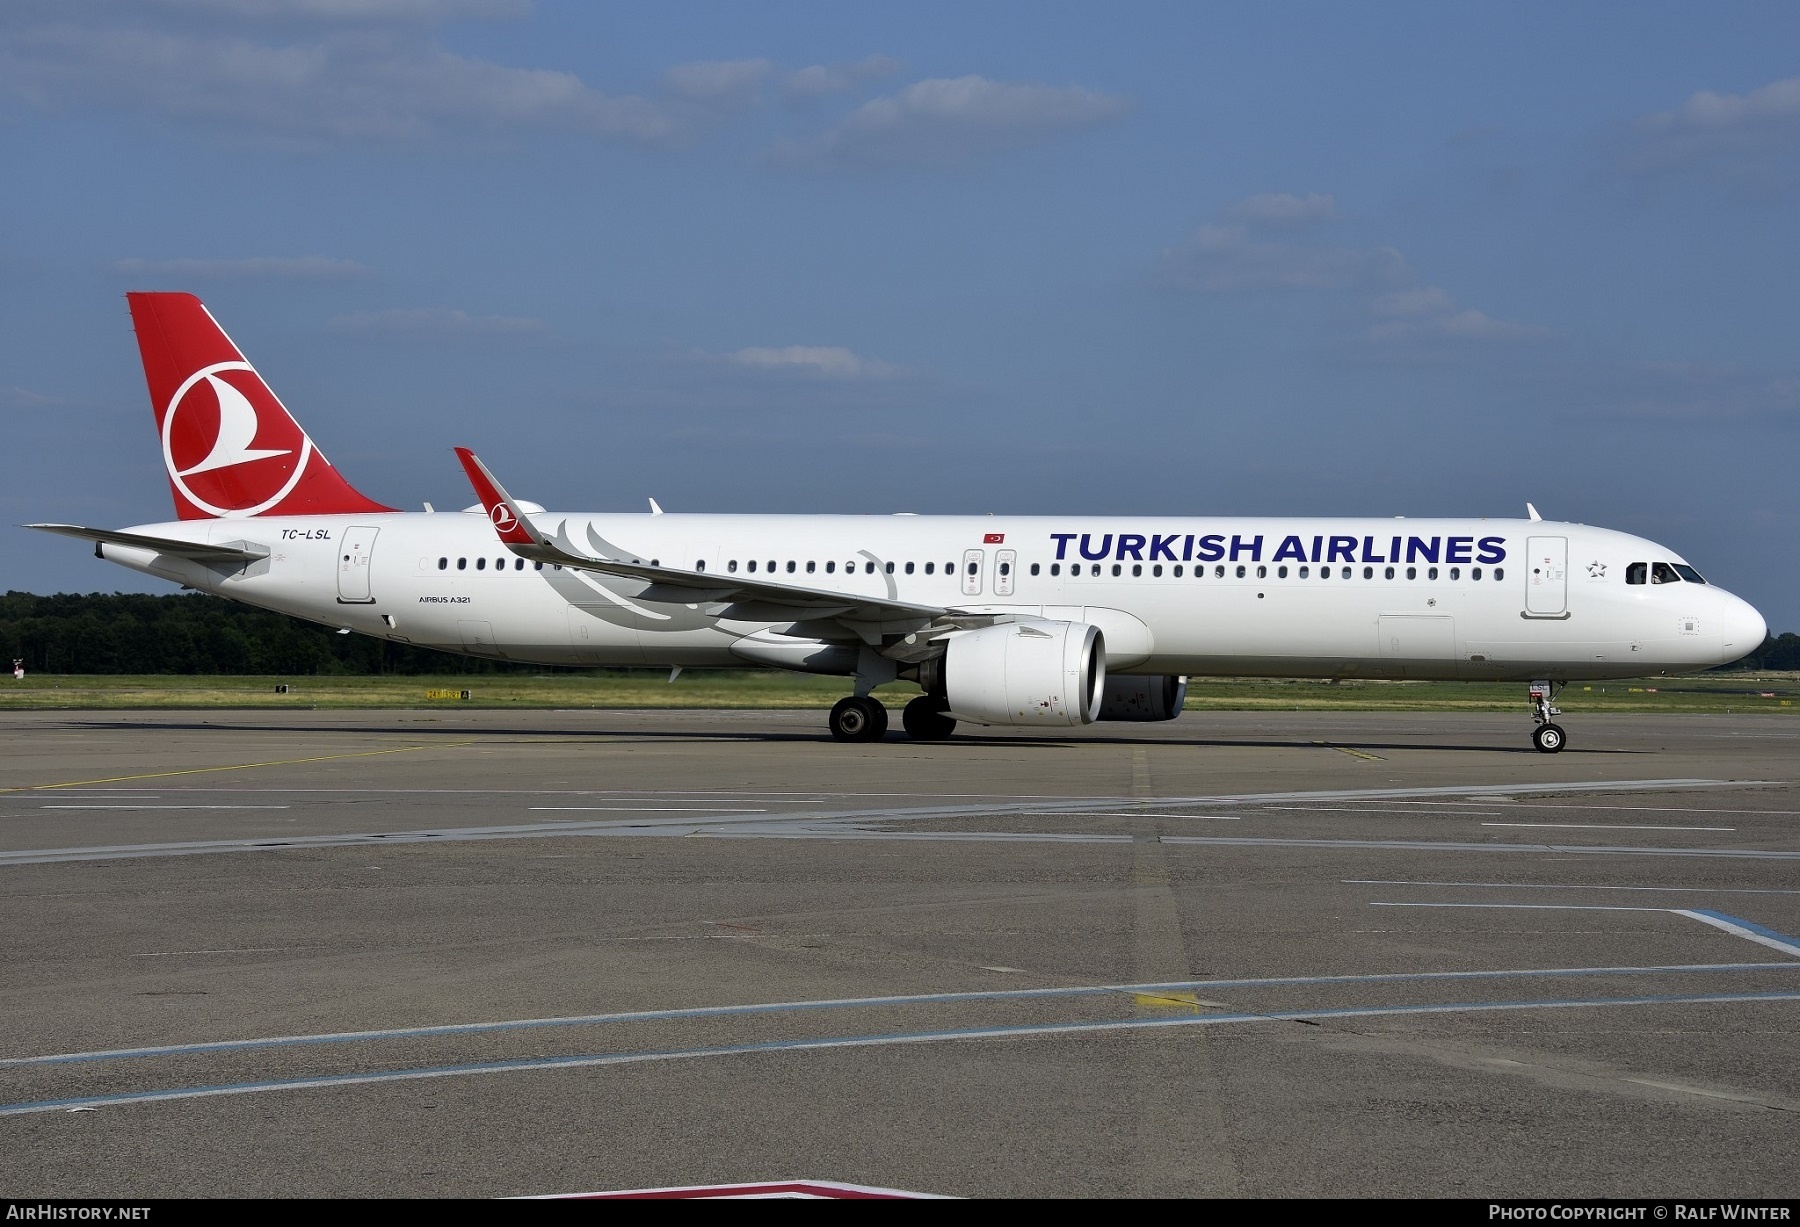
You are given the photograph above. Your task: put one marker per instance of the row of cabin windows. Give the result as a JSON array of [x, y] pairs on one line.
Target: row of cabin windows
[[518, 564], [1662, 573], [868, 568], [1262, 572]]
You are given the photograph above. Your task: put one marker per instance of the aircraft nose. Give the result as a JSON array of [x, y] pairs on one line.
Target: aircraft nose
[[1744, 628]]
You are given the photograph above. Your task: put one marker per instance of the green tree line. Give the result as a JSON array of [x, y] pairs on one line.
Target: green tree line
[[195, 633]]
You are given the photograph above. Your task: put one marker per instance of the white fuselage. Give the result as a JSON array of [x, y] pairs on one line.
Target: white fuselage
[[1475, 599]]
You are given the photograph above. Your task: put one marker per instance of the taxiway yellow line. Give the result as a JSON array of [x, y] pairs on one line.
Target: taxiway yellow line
[[280, 762], [1373, 758]]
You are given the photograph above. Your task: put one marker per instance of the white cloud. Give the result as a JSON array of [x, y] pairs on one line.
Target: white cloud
[[434, 321], [1743, 131], [943, 120], [359, 85], [828, 361], [1234, 256], [300, 268], [730, 82], [1429, 313], [816, 80], [1280, 210], [1222, 258], [421, 11]]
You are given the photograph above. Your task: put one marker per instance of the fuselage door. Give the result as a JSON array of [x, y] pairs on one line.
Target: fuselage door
[[971, 572], [354, 552], [1546, 576], [1005, 561]]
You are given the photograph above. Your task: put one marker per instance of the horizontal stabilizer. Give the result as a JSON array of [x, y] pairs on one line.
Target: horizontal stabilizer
[[198, 551]]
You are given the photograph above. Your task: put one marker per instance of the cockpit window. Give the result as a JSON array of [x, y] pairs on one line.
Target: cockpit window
[[1636, 572], [1663, 573], [1688, 573]]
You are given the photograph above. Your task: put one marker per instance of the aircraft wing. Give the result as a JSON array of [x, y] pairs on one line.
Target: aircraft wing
[[692, 587], [199, 551]]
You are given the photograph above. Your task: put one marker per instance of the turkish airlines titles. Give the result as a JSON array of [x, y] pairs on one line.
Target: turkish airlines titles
[[1217, 547]]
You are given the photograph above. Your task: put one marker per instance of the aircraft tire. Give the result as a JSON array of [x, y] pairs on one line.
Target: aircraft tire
[[1549, 738], [924, 719], [858, 718]]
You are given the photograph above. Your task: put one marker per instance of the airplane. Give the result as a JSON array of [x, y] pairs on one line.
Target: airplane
[[1038, 622]]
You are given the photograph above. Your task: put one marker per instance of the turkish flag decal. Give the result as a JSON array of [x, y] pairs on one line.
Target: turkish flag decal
[[994, 539]]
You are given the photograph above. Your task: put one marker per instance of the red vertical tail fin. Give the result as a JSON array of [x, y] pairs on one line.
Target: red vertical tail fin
[[230, 447]]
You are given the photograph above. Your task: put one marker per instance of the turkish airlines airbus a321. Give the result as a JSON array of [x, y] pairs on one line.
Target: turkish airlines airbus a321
[[1040, 622]]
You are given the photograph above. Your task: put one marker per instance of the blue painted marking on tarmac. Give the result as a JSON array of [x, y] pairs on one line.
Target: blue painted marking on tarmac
[[854, 1041], [777, 1007], [1761, 934]]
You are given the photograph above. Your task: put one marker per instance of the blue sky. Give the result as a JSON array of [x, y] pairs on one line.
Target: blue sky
[[1381, 259]]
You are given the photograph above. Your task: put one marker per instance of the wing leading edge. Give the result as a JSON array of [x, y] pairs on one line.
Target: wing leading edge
[[671, 584]]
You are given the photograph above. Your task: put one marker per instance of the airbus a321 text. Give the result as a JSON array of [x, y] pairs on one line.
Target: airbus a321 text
[[1040, 622]]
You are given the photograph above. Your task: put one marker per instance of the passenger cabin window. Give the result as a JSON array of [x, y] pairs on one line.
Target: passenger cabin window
[[443, 563], [1262, 573], [909, 568], [929, 566], [1305, 573], [751, 565], [790, 566], [1455, 572], [810, 567], [1637, 572], [1663, 573], [1177, 571], [831, 567], [732, 566], [1034, 568], [1688, 573], [481, 564]]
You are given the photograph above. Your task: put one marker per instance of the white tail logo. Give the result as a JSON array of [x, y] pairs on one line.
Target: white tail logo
[[237, 429]]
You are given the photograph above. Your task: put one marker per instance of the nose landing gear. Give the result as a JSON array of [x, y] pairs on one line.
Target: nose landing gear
[[1548, 736]]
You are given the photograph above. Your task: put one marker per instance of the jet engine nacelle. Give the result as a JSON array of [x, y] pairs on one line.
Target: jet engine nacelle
[[1035, 672], [1143, 698]]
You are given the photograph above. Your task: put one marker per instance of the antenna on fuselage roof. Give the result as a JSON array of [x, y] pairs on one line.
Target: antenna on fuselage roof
[[1532, 512], [656, 510]]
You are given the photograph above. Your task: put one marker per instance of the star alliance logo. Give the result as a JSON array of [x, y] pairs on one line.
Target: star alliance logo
[[1596, 570]]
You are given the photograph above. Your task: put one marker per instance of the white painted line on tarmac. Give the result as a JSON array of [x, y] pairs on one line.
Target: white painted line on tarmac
[[121, 806], [1600, 826], [865, 1041], [643, 809], [1700, 890], [1737, 926], [1371, 809]]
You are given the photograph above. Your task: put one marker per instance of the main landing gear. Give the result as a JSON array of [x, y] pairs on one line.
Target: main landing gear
[[1548, 736], [863, 718], [859, 718], [925, 718]]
